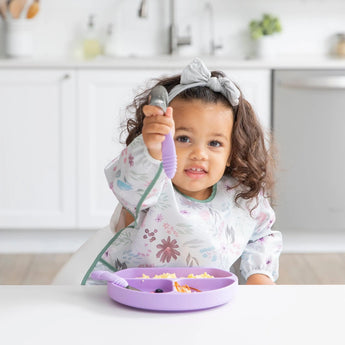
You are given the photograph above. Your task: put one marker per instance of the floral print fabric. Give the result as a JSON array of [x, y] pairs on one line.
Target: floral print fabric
[[172, 229]]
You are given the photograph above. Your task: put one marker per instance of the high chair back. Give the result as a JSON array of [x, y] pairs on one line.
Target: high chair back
[[76, 267]]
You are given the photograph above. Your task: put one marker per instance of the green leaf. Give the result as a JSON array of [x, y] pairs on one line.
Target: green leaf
[[268, 25]]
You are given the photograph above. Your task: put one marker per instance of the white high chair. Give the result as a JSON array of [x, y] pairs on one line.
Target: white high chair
[[74, 270], [76, 267]]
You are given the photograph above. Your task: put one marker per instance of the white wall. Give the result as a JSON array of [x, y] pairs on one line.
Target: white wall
[[308, 25]]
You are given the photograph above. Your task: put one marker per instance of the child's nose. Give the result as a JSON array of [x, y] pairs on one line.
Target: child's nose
[[198, 153]]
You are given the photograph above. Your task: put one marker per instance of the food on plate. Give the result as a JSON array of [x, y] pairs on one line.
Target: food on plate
[[173, 276], [185, 288], [203, 275], [160, 276]]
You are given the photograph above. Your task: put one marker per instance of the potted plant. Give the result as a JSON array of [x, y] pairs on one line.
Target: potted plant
[[263, 32]]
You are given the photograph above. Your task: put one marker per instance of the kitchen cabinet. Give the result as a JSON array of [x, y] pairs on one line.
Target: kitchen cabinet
[[37, 149], [60, 127]]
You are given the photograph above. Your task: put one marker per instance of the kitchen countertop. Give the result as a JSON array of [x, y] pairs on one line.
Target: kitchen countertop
[[275, 314], [169, 62]]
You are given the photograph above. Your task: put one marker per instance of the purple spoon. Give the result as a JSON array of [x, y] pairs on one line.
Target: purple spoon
[[159, 98], [112, 278]]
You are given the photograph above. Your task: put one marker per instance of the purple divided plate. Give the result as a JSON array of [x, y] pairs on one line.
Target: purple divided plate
[[214, 291]]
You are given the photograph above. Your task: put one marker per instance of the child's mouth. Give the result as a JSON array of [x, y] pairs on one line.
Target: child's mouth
[[195, 172]]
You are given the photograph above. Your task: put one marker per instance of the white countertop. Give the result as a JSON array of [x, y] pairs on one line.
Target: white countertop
[[168, 62], [279, 315]]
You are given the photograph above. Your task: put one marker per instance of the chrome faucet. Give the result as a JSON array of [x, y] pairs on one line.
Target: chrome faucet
[[142, 12], [175, 40], [213, 46]]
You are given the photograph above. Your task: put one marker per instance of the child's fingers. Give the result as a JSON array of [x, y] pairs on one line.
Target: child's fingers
[[162, 120], [152, 110], [154, 125], [155, 128], [169, 114]]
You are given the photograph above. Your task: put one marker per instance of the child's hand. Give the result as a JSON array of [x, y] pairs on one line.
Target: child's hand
[[155, 128], [259, 279]]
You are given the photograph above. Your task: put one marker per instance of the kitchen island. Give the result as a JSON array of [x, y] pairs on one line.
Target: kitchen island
[[280, 314]]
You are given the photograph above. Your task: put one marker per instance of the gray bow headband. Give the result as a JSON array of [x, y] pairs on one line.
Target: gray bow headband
[[197, 74]]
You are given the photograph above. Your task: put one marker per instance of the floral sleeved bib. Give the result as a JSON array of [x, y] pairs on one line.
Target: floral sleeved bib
[[172, 229]]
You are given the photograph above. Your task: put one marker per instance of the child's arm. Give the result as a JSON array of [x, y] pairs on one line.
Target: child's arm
[[135, 177], [260, 259]]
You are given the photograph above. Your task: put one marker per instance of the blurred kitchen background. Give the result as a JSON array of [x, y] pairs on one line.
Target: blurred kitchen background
[[309, 25], [68, 72]]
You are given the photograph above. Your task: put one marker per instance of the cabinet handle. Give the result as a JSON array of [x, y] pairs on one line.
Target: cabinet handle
[[66, 76], [327, 82]]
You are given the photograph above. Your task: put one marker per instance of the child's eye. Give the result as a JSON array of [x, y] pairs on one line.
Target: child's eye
[[215, 143], [183, 139]]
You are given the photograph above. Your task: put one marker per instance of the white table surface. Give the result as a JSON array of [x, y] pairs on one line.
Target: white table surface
[[281, 314]]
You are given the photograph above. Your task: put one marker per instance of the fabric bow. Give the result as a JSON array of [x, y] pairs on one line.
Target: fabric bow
[[197, 74]]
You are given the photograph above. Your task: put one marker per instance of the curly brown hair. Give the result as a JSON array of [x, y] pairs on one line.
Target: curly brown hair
[[251, 162]]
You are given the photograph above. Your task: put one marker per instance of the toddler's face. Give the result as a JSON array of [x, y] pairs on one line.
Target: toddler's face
[[203, 145]]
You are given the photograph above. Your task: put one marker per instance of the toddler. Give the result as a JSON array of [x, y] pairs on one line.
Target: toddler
[[215, 209]]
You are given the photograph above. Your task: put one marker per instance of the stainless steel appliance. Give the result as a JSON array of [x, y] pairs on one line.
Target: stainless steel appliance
[[309, 127]]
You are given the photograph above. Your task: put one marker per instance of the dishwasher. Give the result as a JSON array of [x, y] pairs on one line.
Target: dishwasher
[[309, 131]]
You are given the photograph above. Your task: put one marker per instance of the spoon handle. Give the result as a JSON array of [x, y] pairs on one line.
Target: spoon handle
[[159, 98]]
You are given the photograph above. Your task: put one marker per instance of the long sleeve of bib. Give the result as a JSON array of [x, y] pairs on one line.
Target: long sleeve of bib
[[263, 249], [135, 177]]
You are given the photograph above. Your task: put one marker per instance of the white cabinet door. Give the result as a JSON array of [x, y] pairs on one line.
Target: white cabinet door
[[103, 97], [37, 150], [256, 88]]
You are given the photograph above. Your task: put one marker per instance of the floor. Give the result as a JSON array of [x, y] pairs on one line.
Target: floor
[[30, 269], [40, 269]]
